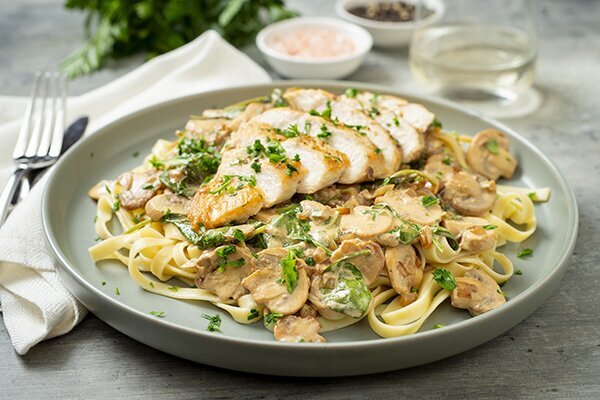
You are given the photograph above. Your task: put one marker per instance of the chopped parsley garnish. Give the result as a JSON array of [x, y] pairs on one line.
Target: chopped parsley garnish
[[407, 232], [450, 238], [255, 149], [290, 132], [103, 283], [429, 200], [98, 238], [414, 290], [444, 278], [214, 322], [525, 253], [256, 166], [174, 288], [310, 261], [116, 205], [238, 235], [489, 227], [373, 112], [378, 150], [324, 134], [223, 253], [438, 326], [436, 124], [326, 113], [532, 195], [290, 169], [492, 146], [446, 160], [396, 121], [253, 314], [518, 272], [272, 318], [351, 92], [117, 292], [226, 184], [136, 154], [159, 314], [289, 272]]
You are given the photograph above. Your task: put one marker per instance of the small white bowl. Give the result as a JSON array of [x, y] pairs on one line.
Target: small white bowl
[[387, 34], [302, 67]]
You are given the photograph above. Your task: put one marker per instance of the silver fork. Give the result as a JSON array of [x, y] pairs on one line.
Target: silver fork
[[40, 138]]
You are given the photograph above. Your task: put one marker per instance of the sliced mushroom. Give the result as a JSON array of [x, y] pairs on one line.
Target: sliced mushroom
[[267, 288], [403, 268], [475, 239], [441, 166], [369, 264], [139, 188], [488, 155], [409, 205], [469, 194], [308, 310], [160, 205], [223, 275], [477, 292], [457, 224], [366, 223], [315, 211], [298, 329]]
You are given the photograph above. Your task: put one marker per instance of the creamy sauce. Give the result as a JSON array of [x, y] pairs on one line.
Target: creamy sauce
[[313, 43]]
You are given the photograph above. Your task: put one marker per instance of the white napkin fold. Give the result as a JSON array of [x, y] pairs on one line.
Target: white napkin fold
[[35, 304]]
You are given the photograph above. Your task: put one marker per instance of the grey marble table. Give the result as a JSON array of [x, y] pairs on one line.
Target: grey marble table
[[555, 353]]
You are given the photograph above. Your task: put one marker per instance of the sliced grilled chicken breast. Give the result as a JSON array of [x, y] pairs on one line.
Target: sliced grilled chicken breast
[[415, 114], [323, 165], [387, 111], [361, 153], [349, 112], [277, 180]]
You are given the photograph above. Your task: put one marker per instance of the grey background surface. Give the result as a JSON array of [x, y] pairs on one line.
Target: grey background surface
[[555, 353]]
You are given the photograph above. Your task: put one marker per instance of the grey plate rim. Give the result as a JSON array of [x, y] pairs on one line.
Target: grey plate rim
[[472, 323]]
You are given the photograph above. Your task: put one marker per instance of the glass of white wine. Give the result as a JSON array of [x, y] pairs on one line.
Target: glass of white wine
[[478, 52]]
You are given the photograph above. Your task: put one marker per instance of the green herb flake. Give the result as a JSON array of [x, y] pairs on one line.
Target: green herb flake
[[253, 314], [492, 146], [289, 272], [310, 261], [447, 160], [174, 288], [532, 196], [396, 121], [256, 166], [351, 92], [438, 326], [135, 154], [214, 322], [489, 227], [159, 314], [444, 278], [518, 272], [436, 124], [272, 318], [98, 238], [429, 200], [103, 283], [325, 133], [525, 253], [117, 292]]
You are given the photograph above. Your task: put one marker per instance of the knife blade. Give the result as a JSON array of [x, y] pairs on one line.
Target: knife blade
[[72, 134]]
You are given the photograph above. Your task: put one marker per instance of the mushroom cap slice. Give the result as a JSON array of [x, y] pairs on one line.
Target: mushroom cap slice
[[366, 222], [266, 287], [369, 264], [409, 205], [158, 206], [475, 239], [139, 188], [441, 166], [469, 194], [403, 268], [488, 155], [477, 292], [456, 225], [214, 275], [298, 329]]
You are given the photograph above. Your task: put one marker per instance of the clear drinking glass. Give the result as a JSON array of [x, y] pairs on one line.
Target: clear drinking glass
[[478, 52]]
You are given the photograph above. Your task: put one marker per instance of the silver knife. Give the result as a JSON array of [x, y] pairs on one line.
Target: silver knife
[[72, 134]]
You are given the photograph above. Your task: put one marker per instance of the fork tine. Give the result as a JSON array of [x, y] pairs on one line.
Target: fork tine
[[38, 124], [49, 116], [23, 138], [61, 115]]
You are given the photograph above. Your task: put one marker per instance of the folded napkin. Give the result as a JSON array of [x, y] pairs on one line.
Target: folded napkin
[[35, 304]]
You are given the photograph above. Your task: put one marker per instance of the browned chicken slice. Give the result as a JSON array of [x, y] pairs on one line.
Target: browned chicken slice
[[268, 287], [469, 194], [349, 112], [298, 329], [488, 155], [221, 271], [403, 268], [225, 199], [477, 292]]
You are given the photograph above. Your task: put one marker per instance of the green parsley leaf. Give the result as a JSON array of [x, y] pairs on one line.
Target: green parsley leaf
[[136, 154], [351, 92], [429, 200], [174, 288], [289, 272], [524, 253], [214, 322], [256, 166], [272, 318], [238, 235], [103, 283], [489, 227], [492, 146], [253, 314], [532, 195], [446, 160], [117, 292], [325, 133], [444, 278], [159, 314], [438, 326], [436, 124], [310, 261], [116, 205], [518, 272], [290, 132], [396, 121]]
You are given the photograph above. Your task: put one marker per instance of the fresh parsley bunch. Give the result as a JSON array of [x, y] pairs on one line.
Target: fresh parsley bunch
[[117, 28]]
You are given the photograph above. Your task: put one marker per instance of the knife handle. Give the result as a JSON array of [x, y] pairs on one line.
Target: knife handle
[[9, 191]]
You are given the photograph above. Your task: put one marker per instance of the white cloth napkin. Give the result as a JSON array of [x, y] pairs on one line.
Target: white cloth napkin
[[35, 304]]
